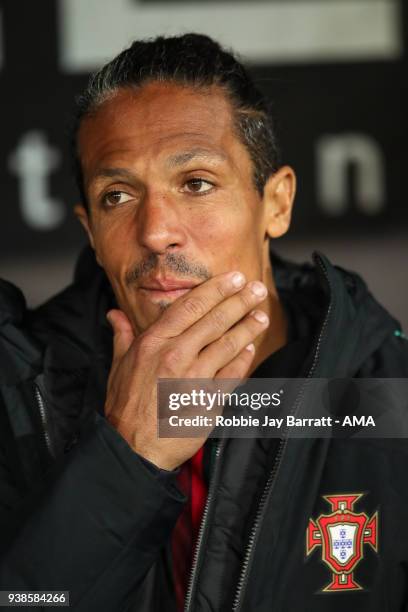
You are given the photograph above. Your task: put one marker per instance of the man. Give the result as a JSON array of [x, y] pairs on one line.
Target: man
[[181, 192]]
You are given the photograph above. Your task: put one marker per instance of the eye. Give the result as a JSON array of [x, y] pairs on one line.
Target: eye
[[198, 185], [115, 198]]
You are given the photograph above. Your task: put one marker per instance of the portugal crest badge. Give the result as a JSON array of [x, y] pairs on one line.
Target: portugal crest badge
[[342, 536]]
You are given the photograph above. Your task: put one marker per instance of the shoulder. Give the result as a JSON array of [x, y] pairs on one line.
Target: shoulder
[[12, 303], [20, 353], [390, 360]]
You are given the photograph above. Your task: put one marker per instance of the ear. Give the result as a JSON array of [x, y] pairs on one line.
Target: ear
[[82, 215], [278, 196]]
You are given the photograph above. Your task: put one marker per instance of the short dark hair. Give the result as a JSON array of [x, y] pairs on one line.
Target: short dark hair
[[191, 60]]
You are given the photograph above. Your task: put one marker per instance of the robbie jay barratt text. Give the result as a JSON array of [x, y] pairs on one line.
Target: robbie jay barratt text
[[250, 421]]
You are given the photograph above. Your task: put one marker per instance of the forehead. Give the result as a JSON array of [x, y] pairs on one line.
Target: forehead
[[155, 118]]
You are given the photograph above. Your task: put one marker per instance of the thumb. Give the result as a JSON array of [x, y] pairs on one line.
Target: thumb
[[123, 335]]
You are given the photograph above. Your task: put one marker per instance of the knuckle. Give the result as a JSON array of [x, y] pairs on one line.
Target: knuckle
[[145, 343], [229, 344], [235, 372], [193, 372], [239, 368], [170, 360], [221, 291], [246, 301], [194, 306], [218, 319]]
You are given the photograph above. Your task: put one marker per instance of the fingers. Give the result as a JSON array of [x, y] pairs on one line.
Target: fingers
[[189, 309], [122, 333], [230, 345], [238, 368], [221, 318]]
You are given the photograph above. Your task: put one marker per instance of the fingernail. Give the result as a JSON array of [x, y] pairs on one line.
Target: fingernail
[[260, 316], [250, 348], [258, 289], [238, 279]]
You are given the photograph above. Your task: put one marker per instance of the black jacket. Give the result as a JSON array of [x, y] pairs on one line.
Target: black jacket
[[80, 511]]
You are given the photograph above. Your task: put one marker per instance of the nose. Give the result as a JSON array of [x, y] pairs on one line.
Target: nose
[[158, 224]]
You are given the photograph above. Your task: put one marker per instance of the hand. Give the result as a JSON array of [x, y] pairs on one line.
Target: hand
[[207, 333]]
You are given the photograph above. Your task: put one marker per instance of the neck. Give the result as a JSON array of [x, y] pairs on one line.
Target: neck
[[276, 335]]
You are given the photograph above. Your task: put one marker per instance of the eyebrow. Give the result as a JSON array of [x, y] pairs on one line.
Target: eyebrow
[[180, 159], [113, 173]]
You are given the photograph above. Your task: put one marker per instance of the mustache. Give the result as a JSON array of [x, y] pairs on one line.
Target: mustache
[[170, 261]]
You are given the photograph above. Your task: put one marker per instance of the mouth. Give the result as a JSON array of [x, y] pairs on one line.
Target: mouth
[[169, 289]]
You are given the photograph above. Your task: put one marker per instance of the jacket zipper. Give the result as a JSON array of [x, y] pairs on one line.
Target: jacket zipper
[[203, 527], [268, 487], [44, 419]]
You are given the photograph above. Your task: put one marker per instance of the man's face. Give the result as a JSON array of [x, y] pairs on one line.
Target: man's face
[[171, 196]]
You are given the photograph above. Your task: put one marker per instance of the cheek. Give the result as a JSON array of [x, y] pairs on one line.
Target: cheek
[[114, 242], [229, 237]]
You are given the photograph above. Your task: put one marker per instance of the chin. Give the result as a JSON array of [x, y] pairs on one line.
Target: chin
[[164, 304], [148, 318]]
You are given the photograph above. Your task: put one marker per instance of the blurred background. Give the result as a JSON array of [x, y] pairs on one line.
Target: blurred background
[[336, 71]]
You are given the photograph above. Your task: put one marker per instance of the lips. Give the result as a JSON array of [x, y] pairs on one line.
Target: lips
[[168, 284], [166, 288]]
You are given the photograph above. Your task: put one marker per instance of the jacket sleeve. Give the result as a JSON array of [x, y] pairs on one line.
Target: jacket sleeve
[[94, 529]]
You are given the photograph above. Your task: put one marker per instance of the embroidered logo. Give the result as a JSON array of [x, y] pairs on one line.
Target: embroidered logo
[[342, 535]]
